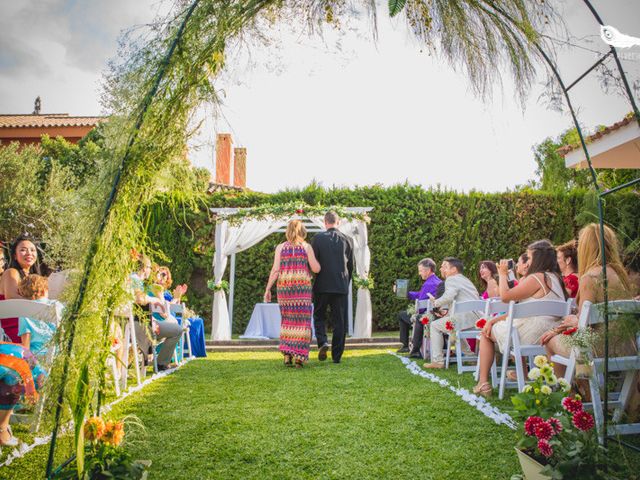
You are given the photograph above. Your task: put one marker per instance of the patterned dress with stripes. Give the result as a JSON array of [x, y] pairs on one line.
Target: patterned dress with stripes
[[294, 299]]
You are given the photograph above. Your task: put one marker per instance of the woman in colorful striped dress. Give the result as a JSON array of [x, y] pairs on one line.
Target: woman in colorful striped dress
[[293, 260]]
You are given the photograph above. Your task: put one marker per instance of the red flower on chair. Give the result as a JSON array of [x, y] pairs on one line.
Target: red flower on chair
[[570, 331], [583, 421], [481, 323], [299, 211], [424, 320], [449, 326]]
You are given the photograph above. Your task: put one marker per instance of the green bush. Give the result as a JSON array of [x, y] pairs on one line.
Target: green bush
[[407, 224]]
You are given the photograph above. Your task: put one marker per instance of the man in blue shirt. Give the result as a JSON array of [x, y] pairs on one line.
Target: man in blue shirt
[[426, 270]]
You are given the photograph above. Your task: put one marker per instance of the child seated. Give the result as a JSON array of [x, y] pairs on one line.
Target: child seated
[[35, 334]]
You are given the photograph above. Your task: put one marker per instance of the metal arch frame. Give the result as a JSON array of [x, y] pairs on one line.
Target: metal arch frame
[[601, 193]]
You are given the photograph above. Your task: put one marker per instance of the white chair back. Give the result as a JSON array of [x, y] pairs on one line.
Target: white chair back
[[30, 308], [423, 305], [495, 307], [458, 308]]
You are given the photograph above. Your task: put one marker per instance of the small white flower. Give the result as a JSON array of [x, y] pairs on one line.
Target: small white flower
[[534, 374], [540, 361], [546, 390], [564, 385]]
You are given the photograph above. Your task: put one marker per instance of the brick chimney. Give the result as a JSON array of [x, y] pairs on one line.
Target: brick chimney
[[240, 167], [223, 158]]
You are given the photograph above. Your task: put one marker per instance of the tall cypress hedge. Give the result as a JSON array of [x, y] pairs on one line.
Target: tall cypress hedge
[[407, 223]]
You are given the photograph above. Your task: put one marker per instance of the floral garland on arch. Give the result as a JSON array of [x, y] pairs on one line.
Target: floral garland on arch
[[286, 210], [365, 282]]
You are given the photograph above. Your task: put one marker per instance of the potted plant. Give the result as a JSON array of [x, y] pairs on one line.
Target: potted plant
[[557, 439], [582, 340], [105, 455]]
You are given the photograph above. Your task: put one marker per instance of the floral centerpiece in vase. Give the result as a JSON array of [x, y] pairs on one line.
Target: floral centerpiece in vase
[[582, 341], [557, 438]]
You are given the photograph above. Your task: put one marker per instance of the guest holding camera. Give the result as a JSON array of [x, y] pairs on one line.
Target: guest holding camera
[[426, 271], [457, 288]]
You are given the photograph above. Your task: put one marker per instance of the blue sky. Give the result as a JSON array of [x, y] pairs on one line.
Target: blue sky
[[341, 110]]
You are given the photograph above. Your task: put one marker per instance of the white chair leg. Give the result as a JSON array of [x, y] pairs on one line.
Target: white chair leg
[[134, 344], [503, 374], [116, 377], [598, 414], [448, 355], [494, 374], [188, 332], [459, 354], [519, 371]]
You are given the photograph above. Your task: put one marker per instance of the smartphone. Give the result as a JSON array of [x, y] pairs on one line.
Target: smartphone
[[510, 264]]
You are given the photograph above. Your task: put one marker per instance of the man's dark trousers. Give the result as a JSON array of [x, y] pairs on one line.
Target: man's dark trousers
[[339, 304], [404, 319]]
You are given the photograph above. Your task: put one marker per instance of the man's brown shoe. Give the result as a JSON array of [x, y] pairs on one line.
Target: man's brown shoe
[[322, 352], [433, 365]]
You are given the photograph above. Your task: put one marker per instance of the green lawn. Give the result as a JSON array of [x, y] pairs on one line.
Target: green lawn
[[245, 416]]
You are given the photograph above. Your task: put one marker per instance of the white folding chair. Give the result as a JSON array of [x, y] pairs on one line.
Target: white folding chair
[[456, 309], [494, 306], [43, 312], [130, 343], [513, 347], [177, 310], [426, 306], [570, 362], [628, 366]]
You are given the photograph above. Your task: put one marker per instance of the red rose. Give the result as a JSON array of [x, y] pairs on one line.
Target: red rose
[[481, 323], [545, 448], [583, 421], [572, 405], [555, 423], [299, 211], [424, 320], [570, 331], [449, 325], [530, 425], [543, 431]]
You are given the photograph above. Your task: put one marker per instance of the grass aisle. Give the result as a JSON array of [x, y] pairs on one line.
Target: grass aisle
[[244, 416]]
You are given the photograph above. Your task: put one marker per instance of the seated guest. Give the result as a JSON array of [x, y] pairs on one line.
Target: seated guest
[[522, 266], [23, 262], [164, 279], [164, 325], [20, 378], [568, 262], [489, 276], [457, 288], [543, 282], [35, 334], [426, 270], [591, 289]]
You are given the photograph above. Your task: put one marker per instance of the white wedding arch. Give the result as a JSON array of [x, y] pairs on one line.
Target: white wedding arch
[[233, 235]]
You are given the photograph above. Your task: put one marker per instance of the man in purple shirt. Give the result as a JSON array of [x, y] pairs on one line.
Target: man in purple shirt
[[426, 269]]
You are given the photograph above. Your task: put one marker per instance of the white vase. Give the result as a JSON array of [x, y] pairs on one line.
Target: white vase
[[530, 468]]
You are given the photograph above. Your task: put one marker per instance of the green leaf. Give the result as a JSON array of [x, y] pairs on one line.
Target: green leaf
[[396, 6]]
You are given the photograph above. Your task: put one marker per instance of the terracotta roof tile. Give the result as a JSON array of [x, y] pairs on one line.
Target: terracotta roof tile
[[49, 120], [599, 134]]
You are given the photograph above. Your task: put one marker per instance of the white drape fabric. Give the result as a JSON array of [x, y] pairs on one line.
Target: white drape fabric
[[233, 239], [357, 231]]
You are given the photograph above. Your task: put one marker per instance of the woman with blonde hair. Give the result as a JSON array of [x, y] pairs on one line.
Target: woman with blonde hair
[[292, 263], [591, 286]]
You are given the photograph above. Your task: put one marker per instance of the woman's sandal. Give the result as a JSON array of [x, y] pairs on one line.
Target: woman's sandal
[[12, 442], [512, 375], [484, 389], [299, 363], [288, 361]]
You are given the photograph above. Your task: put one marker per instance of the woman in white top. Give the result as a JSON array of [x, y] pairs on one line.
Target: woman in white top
[[543, 282]]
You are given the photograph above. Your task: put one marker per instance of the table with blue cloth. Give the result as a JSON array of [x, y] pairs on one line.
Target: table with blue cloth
[[196, 335]]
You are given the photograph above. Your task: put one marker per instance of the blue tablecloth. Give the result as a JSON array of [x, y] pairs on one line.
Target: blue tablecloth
[[196, 334]]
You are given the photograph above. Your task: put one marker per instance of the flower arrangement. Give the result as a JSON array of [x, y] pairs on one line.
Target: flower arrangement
[[556, 430], [583, 339], [287, 210], [365, 282], [216, 287], [104, 454]]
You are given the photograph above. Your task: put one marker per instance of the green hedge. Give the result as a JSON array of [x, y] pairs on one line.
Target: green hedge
[[407, 224]]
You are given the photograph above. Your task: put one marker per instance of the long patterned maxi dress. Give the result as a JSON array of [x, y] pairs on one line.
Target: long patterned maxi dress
[[295, 301]]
